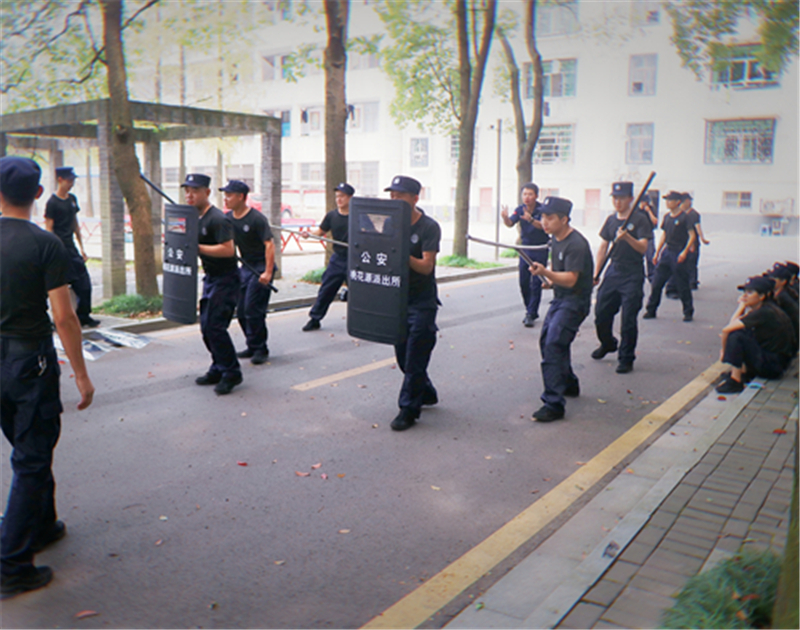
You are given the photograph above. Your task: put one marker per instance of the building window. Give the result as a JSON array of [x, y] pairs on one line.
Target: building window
[[557, 18], [170, 175], [311, 121], [357, 61], [554, 145], [559, 78], [645, 13], [285, 118], [642, 76], [362, 117], [363, 176], [286, 66], [312, 171], [740, 141], [454, 147], [737, 200], [287, 169], [268, 67], [639, 144], [419, 153], [743, 71]]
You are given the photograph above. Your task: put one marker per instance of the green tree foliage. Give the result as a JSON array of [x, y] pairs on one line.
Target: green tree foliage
[[703, 31]]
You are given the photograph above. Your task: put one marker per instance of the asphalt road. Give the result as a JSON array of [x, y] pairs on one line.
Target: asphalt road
[[168, 529]]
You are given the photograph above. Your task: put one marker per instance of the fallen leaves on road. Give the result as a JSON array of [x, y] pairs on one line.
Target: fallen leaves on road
[[344, 531], [546, 478], [534, 491], [280, 562], [601, 401], [629, 471], [324, 475], [340, 475], [435, 488], [580, 463], [374, 426], [508, 450], [362, 387], [721, 398], [315, 466], [479, 605], [244, 413], [241, 463], [163, 518], [779, 432], [86, 613], [159, 542], [487, 457], [302, 474]]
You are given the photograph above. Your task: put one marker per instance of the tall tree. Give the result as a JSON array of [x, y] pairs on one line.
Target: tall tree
[[123, 150], [527, 135], [702, 31], [335, 62], [436, 84]]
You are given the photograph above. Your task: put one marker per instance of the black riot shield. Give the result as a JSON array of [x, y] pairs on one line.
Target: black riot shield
[[377, 263], [180, 264]]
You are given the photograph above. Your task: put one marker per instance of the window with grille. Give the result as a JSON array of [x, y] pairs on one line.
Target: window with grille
[[362, 117], [739, 141], [645, 13], [363, 176], [287, 170], [311, 121], [743, 71], [419, 153], [554, 145], [639, 144], [312, 171], [737, 200], [642, 75], [556, 18]]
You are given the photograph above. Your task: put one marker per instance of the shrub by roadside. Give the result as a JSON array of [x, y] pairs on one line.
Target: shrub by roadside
[[132, 306]]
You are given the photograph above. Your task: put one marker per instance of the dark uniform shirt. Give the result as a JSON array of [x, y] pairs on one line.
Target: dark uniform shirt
[[677, 230], [32, 262], [529, 234], [771, 327], [573, 254], [250, 233], [214, 228], [63, 213], [425, 237], [789, 306], [639, 226], [337, 225]]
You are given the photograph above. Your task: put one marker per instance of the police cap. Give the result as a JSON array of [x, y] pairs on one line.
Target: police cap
[[622, 189], [19, 179], [556, 205], [346, 188], [404, 184], [65, 172], [196, 180], [686, 197], [759, 284], [673, 195], [781, 272], [235, 186]]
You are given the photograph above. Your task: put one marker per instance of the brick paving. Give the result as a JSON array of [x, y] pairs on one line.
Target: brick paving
[[737, 496]]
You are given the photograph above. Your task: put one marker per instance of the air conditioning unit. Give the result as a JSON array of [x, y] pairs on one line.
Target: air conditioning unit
[[777, 207]]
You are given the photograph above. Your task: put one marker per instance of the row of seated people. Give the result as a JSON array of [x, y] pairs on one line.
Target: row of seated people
[[761, 339]]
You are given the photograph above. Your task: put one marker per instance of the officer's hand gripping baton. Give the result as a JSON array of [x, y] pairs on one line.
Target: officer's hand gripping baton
[[252, 269], [635, 208]]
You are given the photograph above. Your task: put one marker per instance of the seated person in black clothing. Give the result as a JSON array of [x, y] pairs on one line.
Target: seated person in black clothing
[[782, 275], [759, 340]]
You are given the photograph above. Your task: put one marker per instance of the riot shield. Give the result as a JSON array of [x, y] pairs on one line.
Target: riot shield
[[180, 264], [377, 262]]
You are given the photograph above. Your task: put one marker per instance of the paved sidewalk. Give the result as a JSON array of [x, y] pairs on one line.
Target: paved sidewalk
[[717, 479]]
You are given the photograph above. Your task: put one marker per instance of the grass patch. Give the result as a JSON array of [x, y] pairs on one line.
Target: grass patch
[[132, 306], [508, 253], [463, 261], [314, 276], [737, 593]]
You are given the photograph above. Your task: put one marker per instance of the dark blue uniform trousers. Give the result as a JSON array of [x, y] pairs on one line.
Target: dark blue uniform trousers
[[30, 410], [668, 267], [620, 289], [335, 274], [220, 294], [560, 326], [531, 285], [648, 257], [414, 355], [741, 348], [81, 284], [693, 260], [251, 310]]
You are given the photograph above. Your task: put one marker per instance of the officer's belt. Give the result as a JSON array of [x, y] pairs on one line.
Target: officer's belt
[[18, 345]]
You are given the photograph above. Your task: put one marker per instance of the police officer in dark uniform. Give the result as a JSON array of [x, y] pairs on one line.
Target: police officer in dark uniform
[[220, 285], [253, 237], [570, 277], [623, 284], [60, 215], [529, 217], [414, 354], [34, 267], [677, 237], [337, 223]]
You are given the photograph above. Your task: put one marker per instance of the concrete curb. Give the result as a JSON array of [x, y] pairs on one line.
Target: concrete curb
[[160, 323]]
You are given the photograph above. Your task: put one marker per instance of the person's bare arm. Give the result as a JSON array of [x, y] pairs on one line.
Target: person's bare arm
[[221, 250], [269, 259], [424, 265], [49, 224], [504, 215], [689, 246], [602, 252], [76, 228], [639, 245], [69, 331], [561, 278]]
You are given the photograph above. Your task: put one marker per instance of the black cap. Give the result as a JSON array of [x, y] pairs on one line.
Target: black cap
[[759, 284], [65, 172], [792, 267], [556, 205], [686, 197], [781, 272], [404, 184], [346, 188], [19, 179], [673, 195], [235, 186], [622, 189], [196, 180]]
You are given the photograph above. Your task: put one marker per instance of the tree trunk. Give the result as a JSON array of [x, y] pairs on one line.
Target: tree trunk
[[126, 164], [471, 82], [336, 14]]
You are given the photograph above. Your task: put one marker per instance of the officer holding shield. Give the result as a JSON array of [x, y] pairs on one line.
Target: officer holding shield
[[253, 236], [220, 285], [623, 283], [414, 354]]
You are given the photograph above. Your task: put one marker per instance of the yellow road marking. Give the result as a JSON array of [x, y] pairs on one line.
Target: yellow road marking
[[340, 376], [442, 588]]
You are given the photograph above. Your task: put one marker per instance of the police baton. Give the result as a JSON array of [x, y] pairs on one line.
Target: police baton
[[252, 269], [319, 238], [616, 240], [520, 249]]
